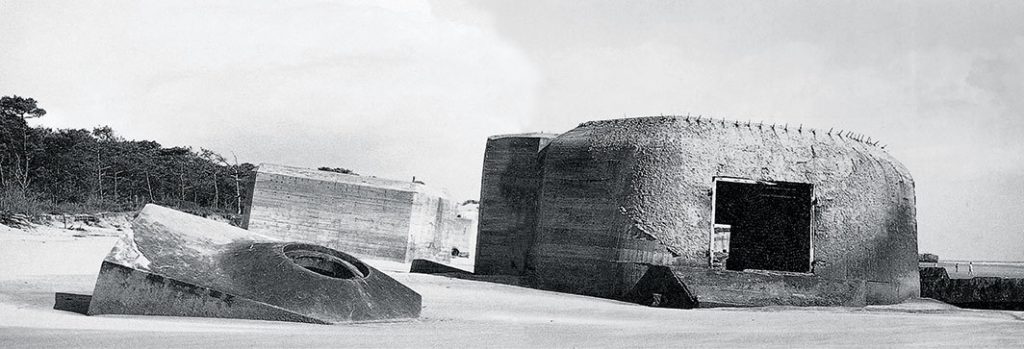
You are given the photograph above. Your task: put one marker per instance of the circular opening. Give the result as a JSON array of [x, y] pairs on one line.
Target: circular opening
[[326, 262]]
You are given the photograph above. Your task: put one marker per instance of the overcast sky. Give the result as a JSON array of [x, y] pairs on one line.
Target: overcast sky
[[413, 88]]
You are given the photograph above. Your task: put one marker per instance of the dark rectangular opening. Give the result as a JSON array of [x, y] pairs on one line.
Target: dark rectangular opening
[[762, 225]]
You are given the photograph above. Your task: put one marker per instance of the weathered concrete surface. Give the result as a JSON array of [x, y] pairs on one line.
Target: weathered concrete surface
[[369, 217], [618, 194], [508, 209], [977, 292], [76, 303], [689, 287], [436, 228], [123, 290], [178, 264]]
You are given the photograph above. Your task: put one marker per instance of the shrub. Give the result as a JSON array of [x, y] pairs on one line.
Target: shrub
[[337, 170], [18, 207]]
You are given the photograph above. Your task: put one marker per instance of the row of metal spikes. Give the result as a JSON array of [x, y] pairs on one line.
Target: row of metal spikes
[[785, 128]]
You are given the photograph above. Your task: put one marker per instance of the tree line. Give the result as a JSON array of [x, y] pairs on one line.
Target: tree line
[[96, 170]]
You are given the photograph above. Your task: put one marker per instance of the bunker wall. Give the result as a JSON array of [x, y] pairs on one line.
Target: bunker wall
[[508, 197], [583, 236], [435, 229], [362, 220]]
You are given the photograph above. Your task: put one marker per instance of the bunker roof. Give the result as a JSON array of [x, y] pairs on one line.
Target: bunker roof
[[524, 135], [698, 121], [352, 179]]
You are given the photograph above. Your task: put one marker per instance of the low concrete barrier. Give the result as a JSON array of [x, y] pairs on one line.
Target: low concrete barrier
[[689, 287], [978, 292]]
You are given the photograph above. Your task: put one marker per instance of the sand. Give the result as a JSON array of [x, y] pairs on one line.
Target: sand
[[460, 314]]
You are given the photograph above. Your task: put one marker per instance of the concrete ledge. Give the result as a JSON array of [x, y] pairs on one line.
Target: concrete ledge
[[432, 268], [690, 287], [424, 266]]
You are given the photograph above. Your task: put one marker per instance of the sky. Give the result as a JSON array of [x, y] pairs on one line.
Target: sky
[[407, 88]]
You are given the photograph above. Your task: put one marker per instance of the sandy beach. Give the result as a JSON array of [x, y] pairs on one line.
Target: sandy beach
[[460, 313]]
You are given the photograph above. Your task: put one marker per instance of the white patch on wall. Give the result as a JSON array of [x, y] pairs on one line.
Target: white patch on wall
[[693, 216]]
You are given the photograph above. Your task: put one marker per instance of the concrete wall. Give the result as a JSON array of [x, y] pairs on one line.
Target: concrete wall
[[585, 242], [368, 217], [435, 228], [508, 194], [618, 193], [976, 292]]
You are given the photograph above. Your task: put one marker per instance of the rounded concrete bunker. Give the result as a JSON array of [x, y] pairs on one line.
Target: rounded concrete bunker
[[729, 206]]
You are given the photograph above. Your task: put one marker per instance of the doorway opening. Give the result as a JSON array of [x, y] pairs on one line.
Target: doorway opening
[[761, 225]]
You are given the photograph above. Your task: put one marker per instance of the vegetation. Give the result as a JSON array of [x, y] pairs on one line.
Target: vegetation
[[337, 170], [57, 171]]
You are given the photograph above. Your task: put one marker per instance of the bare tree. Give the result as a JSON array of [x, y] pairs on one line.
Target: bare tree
[[238, 185], [14, 114], [217, 160]]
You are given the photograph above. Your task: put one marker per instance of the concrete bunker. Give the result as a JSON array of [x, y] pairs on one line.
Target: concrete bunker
[[742, 213], [371, 218]]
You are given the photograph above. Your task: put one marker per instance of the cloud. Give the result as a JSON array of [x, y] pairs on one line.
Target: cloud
[[387, 89], [404, 88], [939, 83]]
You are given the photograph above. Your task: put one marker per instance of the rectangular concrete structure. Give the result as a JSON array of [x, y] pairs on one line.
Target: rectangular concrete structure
[[369, 217]]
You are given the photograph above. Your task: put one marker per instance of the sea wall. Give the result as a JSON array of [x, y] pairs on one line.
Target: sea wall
[[977, 292]]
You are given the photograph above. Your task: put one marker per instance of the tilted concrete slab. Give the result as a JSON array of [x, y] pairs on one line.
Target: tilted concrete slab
[[178, 264]]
